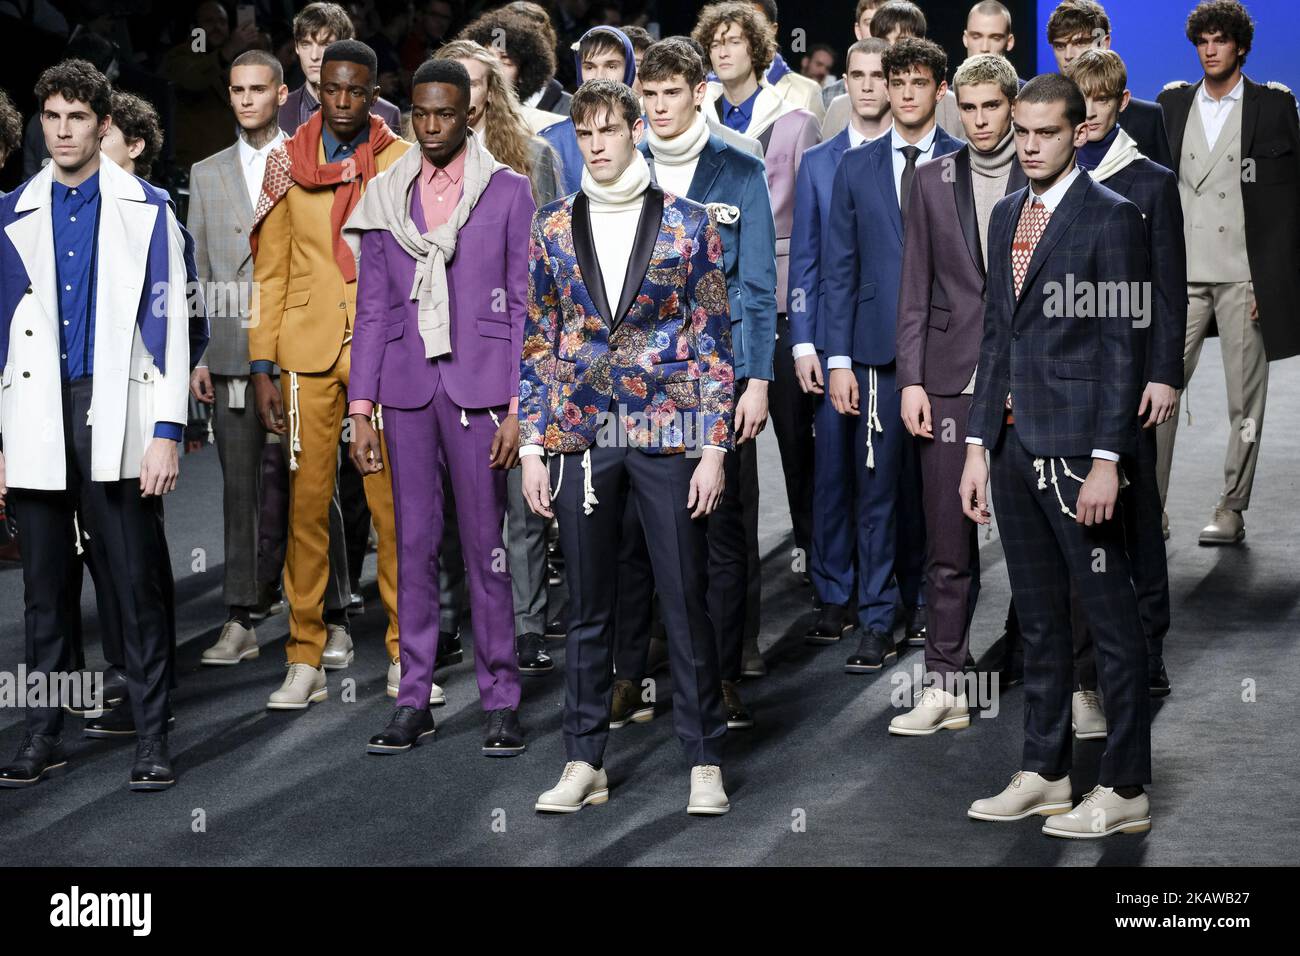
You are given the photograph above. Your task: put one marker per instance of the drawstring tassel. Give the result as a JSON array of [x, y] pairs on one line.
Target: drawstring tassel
[[379, 417], [873, 419], [495, 421], [464, 419], [211, 435], [555, 492], [589, 500], [295, 423], [1187, 404], [76, 529]]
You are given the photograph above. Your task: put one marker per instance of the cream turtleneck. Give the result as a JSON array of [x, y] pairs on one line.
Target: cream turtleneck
[[615, 208]]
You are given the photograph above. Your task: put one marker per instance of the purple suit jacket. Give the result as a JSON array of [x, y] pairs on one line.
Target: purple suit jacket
[[292, 115], [488, 289]]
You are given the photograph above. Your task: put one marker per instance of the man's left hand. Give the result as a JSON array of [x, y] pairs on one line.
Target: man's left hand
[[707, 482], [505, 444], [1160, 399], [1099, 492], [159, 468], [751, 411]]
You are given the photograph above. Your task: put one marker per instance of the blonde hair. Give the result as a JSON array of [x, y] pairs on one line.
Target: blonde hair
[[1099, 73], [505, 133], [988, 68]]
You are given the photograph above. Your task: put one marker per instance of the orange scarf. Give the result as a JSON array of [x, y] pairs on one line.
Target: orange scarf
[[294, 162]]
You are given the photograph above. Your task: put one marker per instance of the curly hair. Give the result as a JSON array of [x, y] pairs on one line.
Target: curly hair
[[912, 52], [1222, 16], [76, 80], [505, 134], [521, 40], [762, 48], [138, 120], [11, 126]]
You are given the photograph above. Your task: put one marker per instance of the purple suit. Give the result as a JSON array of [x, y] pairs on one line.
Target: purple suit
[[443, 413]]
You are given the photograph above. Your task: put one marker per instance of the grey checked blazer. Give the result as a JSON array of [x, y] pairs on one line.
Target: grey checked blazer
[[220, 216]]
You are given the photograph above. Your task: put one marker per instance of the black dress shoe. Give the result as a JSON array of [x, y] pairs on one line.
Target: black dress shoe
[[555, 627], [739, 716], [875, 649], [38, 755], [405, 729], [531, 650], [449, 649], [831, 624], [915, 629], [153, 764], [1157, 678], [356, 603], [553, 576], [115, 723], [505, 738]]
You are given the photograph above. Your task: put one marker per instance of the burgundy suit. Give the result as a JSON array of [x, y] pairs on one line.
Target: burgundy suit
[[442, 414]]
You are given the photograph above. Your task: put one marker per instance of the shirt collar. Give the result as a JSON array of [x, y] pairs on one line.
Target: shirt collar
[[1052, 198], [249, 153], [1233, 94], [336, 149], [87, 191], [925, 145], [455, 169], [746, 108]]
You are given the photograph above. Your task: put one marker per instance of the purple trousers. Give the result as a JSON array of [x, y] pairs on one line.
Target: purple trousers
[[422, 443]]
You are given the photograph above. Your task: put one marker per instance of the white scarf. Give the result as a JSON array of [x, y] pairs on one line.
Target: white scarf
[[1123, 152], [386, 205], [683, 148], [630, 184], [768, 107]]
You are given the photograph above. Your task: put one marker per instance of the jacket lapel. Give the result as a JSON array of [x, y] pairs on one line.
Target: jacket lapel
[[584, 251], [884, 161], [1068, 210], [33, 240], [232, 178], [126, 224], [1176, 116], [706, 170], [966, 215], [1249, 116], [647, 233]]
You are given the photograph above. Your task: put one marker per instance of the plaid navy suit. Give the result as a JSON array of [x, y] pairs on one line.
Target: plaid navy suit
[[1075, 381]]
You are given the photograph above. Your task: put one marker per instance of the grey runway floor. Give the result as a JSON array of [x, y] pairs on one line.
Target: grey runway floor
[[817, 782]]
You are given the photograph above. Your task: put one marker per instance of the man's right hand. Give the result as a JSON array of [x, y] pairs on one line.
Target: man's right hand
[[844, 391], [537, 485], [974, 487], [365, 450], [201, 385], [916, 411], [270, 406], [808, 372]]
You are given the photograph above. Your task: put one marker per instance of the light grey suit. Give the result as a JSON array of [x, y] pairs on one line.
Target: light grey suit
[[220, 216]]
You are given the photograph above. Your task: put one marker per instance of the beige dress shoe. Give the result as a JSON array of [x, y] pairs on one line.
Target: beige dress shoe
[[338, 648], [1101, 813], [1087, 719], [236, 643], [707, 796], [936, 710], [437, 696], [627, 707], [303, 685], [580, 784], [1226, 527], [1027, 794]]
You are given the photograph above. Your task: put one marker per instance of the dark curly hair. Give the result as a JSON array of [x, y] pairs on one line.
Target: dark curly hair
[[11, 126], [762, 48], [1222, 16], [138, 120], [911, 53], [524, 43], [76, 80]]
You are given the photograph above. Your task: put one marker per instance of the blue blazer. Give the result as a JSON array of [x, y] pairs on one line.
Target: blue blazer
[[809, 236], [1154, 190], [726, 175], [863, 262], [1075, 377], [564, 138]]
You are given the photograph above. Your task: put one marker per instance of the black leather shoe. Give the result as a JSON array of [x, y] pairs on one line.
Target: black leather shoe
[[915, 628], [875, 649], [1157, 678], [531, 650], [449, 649], [554, 578], [356, 604], [739, 716], [555, 627], [116, 723], [39, 756], [831, 624], [153, 765], [405, 729], [505, 738]]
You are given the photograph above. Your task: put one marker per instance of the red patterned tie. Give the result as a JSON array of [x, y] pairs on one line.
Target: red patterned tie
[[1033, 223]]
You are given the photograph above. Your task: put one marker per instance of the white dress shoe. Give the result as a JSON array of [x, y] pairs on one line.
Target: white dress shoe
[[1101, 813], [236, 643], [437, 697], [580, 784], [338, 648], [936, 710], [303, 685], [707, 796], [1087, 719], [1027, 793], [1226, 527]]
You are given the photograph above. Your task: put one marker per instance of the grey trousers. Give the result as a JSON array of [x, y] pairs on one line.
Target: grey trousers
[[240, 440]]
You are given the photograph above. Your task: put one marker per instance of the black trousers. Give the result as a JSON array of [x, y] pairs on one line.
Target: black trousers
[[129, 526], [791, 410], [1048, 553], [656, 487], [735, 578]]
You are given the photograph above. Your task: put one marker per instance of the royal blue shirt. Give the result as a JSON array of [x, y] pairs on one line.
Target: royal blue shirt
[[738, 116], [1090, 155], [75, 211]]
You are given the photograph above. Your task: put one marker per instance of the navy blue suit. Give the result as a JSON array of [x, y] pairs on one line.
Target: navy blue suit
[[858, 308], [1144, 120], [1074, 378]]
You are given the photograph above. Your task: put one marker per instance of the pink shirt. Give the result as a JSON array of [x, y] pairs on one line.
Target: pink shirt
[[440, 190]]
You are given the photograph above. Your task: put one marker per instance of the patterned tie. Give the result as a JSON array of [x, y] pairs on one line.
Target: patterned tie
[[909, 173], [1033, 223]]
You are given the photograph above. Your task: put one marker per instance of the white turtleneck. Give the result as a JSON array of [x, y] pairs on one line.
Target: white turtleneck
[[615, 208], [676, 158]]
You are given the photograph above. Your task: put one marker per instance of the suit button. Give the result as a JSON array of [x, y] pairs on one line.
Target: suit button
[[1223, 195], [238, 229], [145, 376], [1220, 229], [241, 271], [343, 305], [29, 290], [27, 374], [29, 331]]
